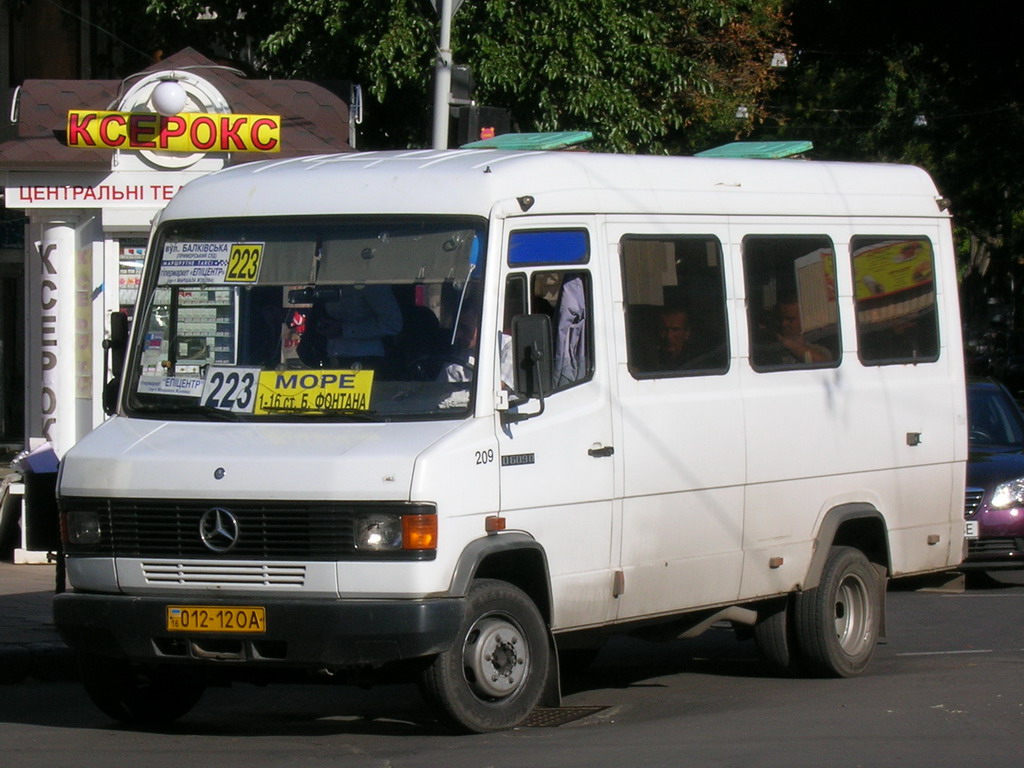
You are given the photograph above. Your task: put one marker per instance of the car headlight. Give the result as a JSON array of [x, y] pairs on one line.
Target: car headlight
[[83, 527], [1008, 494], [389, 532]]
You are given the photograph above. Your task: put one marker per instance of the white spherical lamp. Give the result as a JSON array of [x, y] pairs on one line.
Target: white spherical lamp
[[169, 97]]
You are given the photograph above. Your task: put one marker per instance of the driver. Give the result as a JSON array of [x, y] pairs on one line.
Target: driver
[[357, 322]]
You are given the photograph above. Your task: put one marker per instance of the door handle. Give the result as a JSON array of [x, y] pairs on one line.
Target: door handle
[[601, 451]]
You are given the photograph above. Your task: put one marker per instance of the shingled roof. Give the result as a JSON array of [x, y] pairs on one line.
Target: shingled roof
[[313, 120]]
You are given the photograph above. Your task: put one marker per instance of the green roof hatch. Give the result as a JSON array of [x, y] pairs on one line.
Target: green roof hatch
[[765, 150]]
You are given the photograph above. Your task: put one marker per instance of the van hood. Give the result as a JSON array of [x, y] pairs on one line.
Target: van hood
[[135, 458]]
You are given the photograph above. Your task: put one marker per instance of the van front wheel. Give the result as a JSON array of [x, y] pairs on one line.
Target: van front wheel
[[493, 675], [838, 622]]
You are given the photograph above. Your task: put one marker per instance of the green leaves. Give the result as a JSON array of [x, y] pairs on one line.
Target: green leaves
[[635, 73]]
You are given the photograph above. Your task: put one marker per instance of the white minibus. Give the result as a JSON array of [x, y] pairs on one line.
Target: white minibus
[[459, 415]]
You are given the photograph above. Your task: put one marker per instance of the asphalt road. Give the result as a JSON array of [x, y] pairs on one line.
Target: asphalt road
[[946, 688]]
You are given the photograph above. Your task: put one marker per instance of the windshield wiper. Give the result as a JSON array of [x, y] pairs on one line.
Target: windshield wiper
[[355, 415], [215, 414]]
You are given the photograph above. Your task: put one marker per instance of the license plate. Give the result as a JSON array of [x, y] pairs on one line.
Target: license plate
[[247, 619], [971, 529]]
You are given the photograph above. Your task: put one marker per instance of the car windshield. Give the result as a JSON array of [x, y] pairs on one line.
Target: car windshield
[[291, 319], [994, 418]]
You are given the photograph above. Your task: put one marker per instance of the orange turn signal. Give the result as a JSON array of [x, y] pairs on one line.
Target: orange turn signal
[[419, 532]]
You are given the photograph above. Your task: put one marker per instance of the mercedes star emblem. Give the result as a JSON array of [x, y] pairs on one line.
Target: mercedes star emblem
[[218, 529]]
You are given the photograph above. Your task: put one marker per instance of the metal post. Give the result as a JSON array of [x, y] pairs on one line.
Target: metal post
[[443, 75]]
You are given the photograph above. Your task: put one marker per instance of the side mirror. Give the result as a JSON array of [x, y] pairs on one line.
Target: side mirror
[[531, 348], [116, 346]]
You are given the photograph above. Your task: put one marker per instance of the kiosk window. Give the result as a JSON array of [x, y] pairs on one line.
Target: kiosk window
[[894, 294], [792, 311], [675, 306]]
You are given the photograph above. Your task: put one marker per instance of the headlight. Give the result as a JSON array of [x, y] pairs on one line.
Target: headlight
[[380, 532], [388, 532], [1008, 494], [83, 527]]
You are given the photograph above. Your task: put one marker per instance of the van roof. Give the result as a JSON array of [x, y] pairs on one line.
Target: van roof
[[474, 181]]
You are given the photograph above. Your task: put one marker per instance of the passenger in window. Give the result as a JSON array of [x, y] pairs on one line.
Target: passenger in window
[[571, 363], [679, 348], [790, 346], [674, 333]]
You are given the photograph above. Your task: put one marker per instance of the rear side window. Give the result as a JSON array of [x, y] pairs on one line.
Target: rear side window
[[894, 291], [675, 306], [791, 302]]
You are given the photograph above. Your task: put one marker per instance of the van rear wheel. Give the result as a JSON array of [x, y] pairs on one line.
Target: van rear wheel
[[775, 636], [494, 674], [838, 622]]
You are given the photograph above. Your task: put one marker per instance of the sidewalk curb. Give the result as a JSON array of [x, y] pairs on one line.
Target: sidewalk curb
[[45, 662]]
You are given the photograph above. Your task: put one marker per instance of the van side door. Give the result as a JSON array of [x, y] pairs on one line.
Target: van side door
[[557, 468], [682, 424]]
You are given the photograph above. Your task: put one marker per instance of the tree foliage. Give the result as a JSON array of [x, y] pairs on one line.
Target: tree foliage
[[645, 75], [868, 80], [907, 82]]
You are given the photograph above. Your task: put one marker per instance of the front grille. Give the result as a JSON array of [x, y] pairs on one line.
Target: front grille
[[204, 573], [972, 500], [996, 548], [170, 529]]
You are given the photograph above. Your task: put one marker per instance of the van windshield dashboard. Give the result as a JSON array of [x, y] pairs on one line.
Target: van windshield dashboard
[[368, 319]]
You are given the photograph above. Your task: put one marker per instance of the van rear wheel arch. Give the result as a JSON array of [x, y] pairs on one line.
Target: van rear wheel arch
[[859, 526]]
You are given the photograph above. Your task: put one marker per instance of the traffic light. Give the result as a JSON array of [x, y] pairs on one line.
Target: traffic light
[[475, 123], [461, 91]]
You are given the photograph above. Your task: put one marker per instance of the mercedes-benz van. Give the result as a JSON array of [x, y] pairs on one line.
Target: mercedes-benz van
[[458, 415]]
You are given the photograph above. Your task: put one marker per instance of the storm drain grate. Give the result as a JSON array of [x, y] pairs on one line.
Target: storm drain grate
[[552, 717]]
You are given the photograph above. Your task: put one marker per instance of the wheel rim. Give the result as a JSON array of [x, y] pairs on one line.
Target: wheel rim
[[853, 615], [495, 657]]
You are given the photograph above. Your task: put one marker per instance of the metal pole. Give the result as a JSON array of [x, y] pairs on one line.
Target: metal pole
[[443, 76]]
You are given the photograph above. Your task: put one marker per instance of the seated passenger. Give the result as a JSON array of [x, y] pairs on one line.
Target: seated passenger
[[678, 348], [790, 346]]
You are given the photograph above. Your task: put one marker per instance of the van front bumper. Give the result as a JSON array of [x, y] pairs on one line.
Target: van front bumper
[[313, 634]]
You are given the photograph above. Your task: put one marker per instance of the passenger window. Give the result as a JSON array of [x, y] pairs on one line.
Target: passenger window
[[675, 306], [565, 297], [894, 293], [792, 312]]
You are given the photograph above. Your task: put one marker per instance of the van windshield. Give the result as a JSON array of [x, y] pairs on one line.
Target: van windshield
[[289, 319]]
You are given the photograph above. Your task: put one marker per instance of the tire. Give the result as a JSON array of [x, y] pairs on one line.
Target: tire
[[775, 637], [138, 695], [837, 623], [494, 674]]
